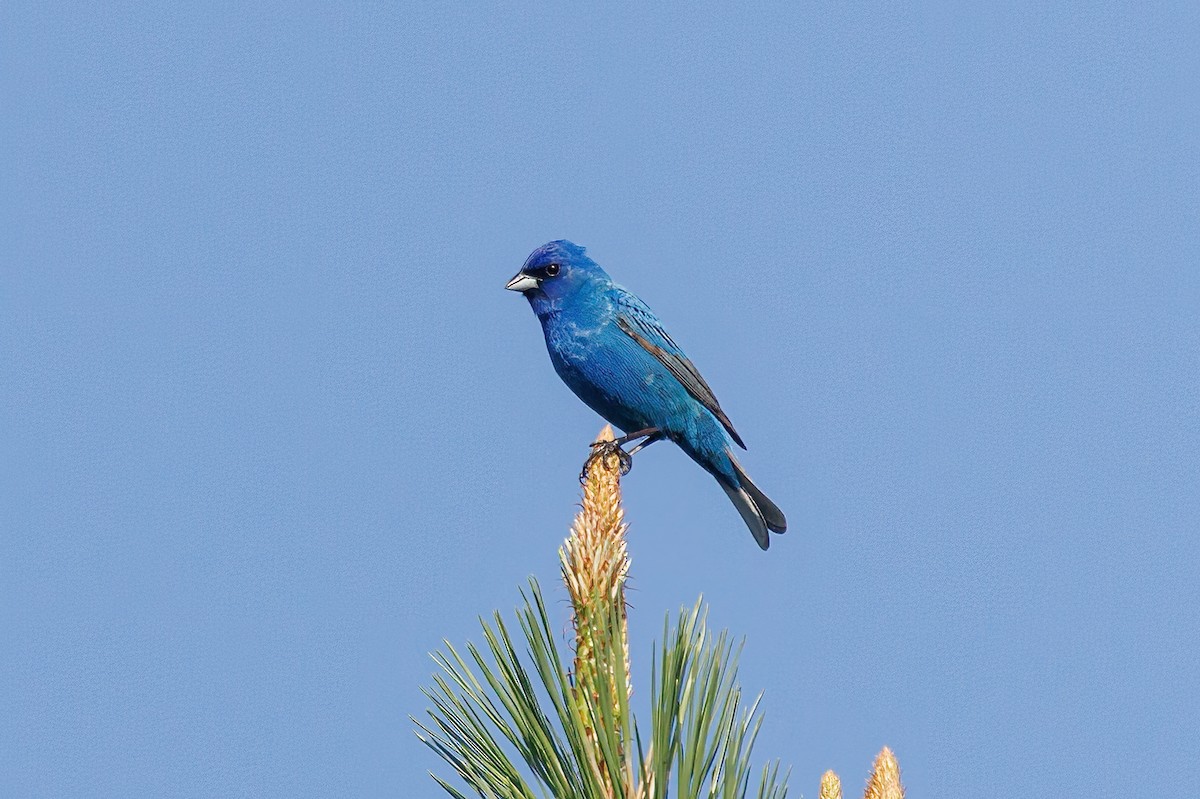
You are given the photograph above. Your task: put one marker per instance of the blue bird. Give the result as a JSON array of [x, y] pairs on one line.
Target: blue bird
[[611, 350]]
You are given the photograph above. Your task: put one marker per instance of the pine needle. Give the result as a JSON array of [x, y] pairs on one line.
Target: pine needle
[[515, 731]]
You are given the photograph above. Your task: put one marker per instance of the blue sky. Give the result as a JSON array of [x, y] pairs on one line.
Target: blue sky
[[273, 430]]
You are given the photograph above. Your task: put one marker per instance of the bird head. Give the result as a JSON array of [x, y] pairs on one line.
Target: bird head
[[554, 272]]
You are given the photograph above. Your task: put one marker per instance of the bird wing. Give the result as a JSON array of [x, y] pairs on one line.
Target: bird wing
[[638, 322]]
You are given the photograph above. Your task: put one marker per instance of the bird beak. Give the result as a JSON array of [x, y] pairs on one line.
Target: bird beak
[[522, 282]]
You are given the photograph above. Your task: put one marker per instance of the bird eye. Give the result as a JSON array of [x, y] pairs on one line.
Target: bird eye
[[552, 270]]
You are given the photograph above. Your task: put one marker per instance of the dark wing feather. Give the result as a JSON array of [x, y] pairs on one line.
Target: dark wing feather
[[639, 323]]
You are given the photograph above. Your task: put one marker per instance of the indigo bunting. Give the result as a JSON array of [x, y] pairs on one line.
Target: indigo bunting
[[611, 350]]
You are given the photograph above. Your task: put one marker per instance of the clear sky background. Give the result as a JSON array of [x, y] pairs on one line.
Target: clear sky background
[[272, 428]]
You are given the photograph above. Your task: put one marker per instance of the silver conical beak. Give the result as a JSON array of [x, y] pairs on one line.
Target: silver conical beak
[[522, 282]]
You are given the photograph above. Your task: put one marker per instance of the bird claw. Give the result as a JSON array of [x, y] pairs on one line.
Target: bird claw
[[606, 449]]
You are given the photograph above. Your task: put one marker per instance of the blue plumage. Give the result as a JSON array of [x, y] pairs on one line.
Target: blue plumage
[[611, 350]]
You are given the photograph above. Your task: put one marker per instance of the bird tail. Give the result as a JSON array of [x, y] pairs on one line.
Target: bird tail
[[758, 511]]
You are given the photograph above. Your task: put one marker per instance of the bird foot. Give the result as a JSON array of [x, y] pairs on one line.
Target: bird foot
[[607, 449]]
